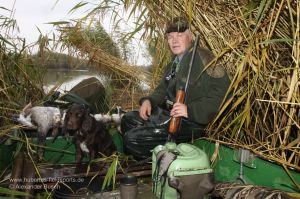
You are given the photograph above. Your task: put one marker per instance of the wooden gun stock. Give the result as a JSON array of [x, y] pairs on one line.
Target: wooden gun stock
[[175, 121]]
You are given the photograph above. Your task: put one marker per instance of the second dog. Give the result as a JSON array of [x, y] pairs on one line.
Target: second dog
[[91, 136]]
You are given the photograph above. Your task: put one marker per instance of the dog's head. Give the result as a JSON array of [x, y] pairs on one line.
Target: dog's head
[[78, 117]]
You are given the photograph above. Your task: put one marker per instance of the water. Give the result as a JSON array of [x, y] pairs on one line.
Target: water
[[64, 80]]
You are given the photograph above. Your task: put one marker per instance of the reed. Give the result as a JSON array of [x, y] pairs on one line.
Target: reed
[[105, 56], [20, 78], [258, 43]]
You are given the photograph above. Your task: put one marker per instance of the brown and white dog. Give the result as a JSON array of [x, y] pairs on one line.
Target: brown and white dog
[[91, 136]]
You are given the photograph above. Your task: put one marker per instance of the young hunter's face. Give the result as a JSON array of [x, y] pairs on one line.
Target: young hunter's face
[[179, 42]]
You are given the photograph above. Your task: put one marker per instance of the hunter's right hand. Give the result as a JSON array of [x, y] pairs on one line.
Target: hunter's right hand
[[145, 110]]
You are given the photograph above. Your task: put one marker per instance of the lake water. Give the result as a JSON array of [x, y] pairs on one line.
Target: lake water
[[66, 79]]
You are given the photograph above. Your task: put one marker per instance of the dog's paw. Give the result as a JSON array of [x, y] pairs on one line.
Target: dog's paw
[[40, 154]]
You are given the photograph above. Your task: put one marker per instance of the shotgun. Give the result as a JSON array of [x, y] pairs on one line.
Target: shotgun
[[181, 93]]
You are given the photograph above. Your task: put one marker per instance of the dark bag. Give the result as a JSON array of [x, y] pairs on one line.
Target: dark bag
[[141, 140], [142, 136]]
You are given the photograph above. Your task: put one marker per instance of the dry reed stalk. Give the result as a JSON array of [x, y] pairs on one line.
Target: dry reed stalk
[[108, 63], [258, 43]]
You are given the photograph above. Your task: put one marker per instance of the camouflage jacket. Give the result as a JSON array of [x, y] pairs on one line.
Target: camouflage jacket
[[206, 88]]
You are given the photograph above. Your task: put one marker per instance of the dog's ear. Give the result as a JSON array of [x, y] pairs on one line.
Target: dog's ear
[[87, 121]]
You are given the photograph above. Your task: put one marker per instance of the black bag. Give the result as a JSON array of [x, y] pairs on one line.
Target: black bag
[[141, 140], [140, 136]]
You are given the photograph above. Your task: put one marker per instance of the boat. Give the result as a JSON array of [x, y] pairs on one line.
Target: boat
[[233, 166]]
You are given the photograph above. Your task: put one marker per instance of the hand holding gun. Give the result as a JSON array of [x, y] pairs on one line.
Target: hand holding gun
[[174, 122]]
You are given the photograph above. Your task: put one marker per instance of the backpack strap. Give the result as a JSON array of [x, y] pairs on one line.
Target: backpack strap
[[164, 160]]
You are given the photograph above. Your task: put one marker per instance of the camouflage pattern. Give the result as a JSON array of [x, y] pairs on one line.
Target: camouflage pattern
[[239, 191]]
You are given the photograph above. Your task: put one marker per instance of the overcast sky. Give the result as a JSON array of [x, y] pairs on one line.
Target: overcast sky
[[36, 13], [31, 14]]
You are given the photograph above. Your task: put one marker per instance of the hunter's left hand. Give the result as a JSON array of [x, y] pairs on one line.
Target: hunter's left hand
[[179, 110]]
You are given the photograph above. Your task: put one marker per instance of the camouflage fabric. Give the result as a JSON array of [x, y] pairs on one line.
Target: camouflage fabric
[[239, 191]]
